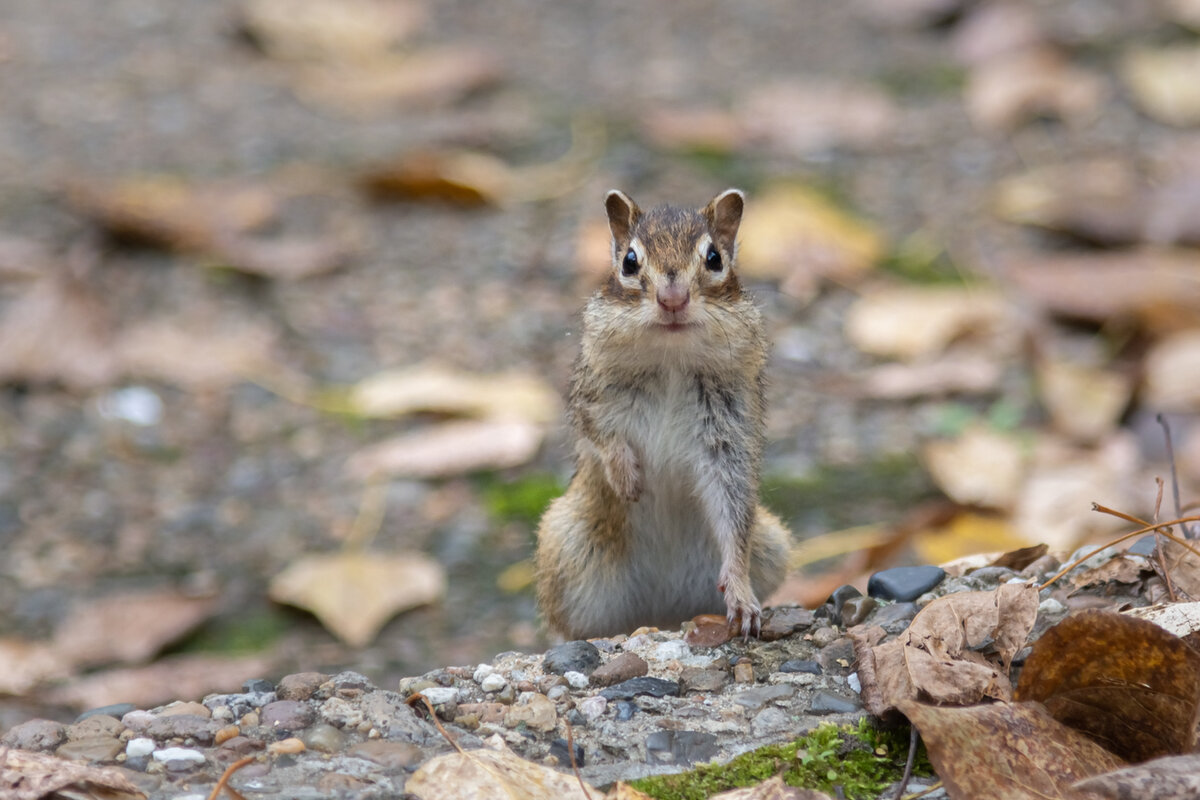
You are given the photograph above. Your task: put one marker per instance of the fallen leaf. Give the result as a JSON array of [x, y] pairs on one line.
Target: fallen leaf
[[195, 353], [282, 257], [1085, 403], [980, 467], [911, 322], [1163, 82], [25, 665], [1154, 287], [794, 235], [593, 254], [1183, 566], [329, 29], [964, 534], [354, 594], [1166, 778], [1017, 560], [435, 76], [57, 331], [439, 389], [1123, 568], [449, 449], [1181, 619], [936, 659], [489, 772], [995, 30], [707, 130], [461, 177], [771, 789], [128, 627], [799, 117], [970, 374], [162, 681], [1003, 93], [1125, 682], [1170, 370], [37, 776], [1007, 752]]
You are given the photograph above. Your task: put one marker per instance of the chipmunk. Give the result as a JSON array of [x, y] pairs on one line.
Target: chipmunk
[[661, 520]]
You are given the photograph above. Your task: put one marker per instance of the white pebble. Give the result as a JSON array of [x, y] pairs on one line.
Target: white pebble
[[441, 694], [577, 680], [493, 683], [592, 707], [557, 692], [179, 754], [671, 651], [482, 671], [1051, 606], [136, 405], [140, 746]]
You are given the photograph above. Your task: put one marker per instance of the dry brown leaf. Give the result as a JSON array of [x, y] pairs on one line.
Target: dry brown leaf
[[1102, 201], [1017, 560], [57, 330], [1125, 682], [1181, 619], [933, 658], [1122, 568], [1085, 403], [442, 390], [40, 776], [969, 374], [995, 30], [1183, 566], [449, 449], [461, 177], [354, 594], [797, 237], [911, 322], [798, 117], [1007, 751], [24, 665], [1163, 82], [1005, 92], [981, 467], [129, 627], [435, 76], [772, 789], [162, 681], [283, 257], [493, 771], [329, 29], [1170, 369], [1167, 778], [1145, 285], [168, 211], [964, 534], [707, 130], [195, 353]]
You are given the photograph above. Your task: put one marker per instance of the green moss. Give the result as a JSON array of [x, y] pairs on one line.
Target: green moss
[[522, 499], [254, 631], [860, 761], [919, 259]]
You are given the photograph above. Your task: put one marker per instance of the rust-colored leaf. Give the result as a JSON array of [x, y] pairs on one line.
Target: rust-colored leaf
[[460, 177], [1007, 751], [1021, 558], [1125, 682]]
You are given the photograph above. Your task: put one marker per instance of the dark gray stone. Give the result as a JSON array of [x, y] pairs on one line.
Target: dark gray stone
[[1144, 546], [257, 685], [824, 702], [894, 617], [780, 622], [239, 704], [116, 710], [287, 715], [560, 750], [695, 679], [904, 583], [577, 656], [856, 609], [625, 710], [798, 665], [35, 734], [627, 690], [759, 696], [680, 747], [837, 599]]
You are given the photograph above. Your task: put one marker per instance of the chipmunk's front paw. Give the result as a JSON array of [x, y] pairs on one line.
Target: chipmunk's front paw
[[624, 471], [741, 606]]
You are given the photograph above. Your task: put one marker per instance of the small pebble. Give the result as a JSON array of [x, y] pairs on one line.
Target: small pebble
[[494, 682], [254, 685], [672, 650], [798, 665], [185, 754], [824, 702], [440, 695], [300, 685], [854, 683], [625, 710], [324, 738], [576, 680], [856, 609], [593, 708], [560, 752], [743, 672], [620, 668], [140, 746], [824, 636], [1052, 607], [577, 656], [117, 710], [287, 746], [393, 755], [287, 715], [904, 583], [557, 693], [627, 690], [482, 672], [694, 679], [35, 734], [759, 696], [191, 708], [680, 747], [780, 622]]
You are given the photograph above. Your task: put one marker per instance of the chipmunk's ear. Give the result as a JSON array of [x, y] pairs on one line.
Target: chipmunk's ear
[[623, 214], [724, 214]]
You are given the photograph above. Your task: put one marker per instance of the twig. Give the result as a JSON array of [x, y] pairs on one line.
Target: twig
[[1159, 555], [1162, 529], [924, 792], [571, 755], [433, 716], [226, 775], [913, 738], [1162, 420]]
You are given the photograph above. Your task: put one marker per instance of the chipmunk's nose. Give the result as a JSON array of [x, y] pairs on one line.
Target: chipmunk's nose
[[673, 297]]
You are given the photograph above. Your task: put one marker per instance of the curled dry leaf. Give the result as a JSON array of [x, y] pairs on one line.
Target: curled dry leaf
[[162, 681], [24, 665], [354, 594], [799, 238], [1006, 751], [34, 776], [911, 322], [981, 467], [1124, 682], [1156, 287], [329, 29], [1167, 778], [493, 771], [450, 449], [1163, 82], [441, 390], [461, 177], [1171, 368], [1183, 566], [1086, 403], [1003, 93], [934, 659], [969, 374], [129, 627]]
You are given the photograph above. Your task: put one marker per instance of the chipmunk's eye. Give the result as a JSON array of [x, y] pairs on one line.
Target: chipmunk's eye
[[630, 265], [713, 259]]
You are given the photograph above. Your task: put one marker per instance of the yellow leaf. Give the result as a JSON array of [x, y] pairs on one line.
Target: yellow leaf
[[967, 534], [355, 594]]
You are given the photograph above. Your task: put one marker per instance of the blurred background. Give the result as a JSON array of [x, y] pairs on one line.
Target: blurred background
[[289, 295]]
